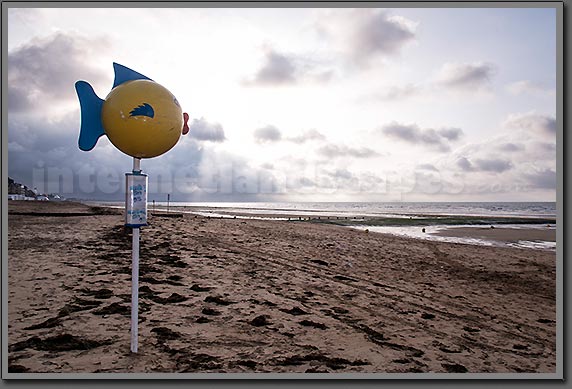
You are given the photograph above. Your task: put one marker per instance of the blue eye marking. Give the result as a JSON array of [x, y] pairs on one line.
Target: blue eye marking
[[143, 110]]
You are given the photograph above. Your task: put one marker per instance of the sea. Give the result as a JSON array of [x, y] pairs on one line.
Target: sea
[[420, 220]]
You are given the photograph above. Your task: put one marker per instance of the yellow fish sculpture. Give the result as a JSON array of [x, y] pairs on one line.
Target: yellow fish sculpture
[[140, 117]]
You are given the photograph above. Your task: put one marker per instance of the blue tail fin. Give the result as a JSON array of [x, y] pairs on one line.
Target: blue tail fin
[[91, 126]]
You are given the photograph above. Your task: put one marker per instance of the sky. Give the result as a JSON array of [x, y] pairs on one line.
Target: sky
[[292, 104]]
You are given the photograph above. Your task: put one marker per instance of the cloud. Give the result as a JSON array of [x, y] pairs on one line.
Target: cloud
[[35, 133], [50, 147], [379, 33], [272, 134], [451, 134], [44, 71], [397, 93], [494, 165], [538, 124], [335, 151], [201, 129], [544, 179], [342, 180], [306, 182], [45, 154], [364, 35], [546, 148], [343, 174], [306, 136], [466, 76], [524, 87], [511, 147], [411, 133], [286, 69], [465, 164], [267, 134], [427, 166], [276, 69]]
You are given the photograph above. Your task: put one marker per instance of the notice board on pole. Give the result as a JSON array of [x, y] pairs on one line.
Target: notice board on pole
[[135, 200]]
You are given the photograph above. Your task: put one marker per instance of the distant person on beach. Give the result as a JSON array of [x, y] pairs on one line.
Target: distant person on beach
[[423, 230]]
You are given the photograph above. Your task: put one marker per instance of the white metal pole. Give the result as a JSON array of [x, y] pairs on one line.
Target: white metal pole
[[135, 277], [136, 164], [135, 291]]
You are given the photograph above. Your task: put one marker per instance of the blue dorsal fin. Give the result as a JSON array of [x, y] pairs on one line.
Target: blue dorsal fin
[[124, 74], [90, 106]]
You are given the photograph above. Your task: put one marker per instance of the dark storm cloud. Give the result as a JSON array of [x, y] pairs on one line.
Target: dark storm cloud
[[45, 154], [335, 151], [37, 134], [267, 134], [545, 179], [437, 139], [201, 129], [466, 75], [493, 165], [51, 147], [44, 71]]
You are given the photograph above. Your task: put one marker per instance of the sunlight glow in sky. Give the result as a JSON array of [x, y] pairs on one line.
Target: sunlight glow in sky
[[325, 104]]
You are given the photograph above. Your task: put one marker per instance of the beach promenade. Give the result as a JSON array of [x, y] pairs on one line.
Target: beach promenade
[[235, 295]]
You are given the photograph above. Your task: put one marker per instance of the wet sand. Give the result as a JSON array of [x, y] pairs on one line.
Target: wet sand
[[234, 295], [500, 234]]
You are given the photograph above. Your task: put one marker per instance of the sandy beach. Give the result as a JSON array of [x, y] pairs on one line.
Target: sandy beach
[[235, 295]]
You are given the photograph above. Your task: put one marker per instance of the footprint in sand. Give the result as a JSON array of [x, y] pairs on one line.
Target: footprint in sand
[[260, 321], [63, 342], [164, 333], [197, 288], [210, 312], [295, 311], [50, 323], [115, 308], [218, 300], [309, 323], [454, 368], [101, 294]]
